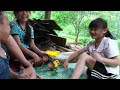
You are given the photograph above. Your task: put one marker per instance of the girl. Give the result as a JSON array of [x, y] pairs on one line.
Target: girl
[[23, 34], [102, 54]]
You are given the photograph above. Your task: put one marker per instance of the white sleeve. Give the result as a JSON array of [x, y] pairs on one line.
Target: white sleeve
[[112, 49], [87, 47]]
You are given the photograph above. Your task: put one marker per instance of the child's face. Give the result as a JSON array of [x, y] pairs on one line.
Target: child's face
[[97, 33], [23, 16], [4, 29]]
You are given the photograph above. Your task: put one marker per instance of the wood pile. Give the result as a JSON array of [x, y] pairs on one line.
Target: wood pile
[[45, 36]]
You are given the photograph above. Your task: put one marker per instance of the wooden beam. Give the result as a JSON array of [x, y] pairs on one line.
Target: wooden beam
[[65, 49]]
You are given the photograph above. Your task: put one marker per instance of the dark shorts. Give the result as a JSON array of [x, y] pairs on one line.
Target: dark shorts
[[99, 72]]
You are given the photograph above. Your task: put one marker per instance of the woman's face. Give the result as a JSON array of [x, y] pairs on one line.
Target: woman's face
[[97, 33], [23, 16], [4, 29]]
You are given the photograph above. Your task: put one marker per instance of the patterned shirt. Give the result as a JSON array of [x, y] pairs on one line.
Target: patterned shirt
[[4, 66], [17, 30]]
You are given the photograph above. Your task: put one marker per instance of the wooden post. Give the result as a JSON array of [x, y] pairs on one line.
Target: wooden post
[[47, 15]]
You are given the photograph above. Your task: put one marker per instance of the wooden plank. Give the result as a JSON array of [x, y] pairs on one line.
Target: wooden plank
[[65, 49], [58, 40]]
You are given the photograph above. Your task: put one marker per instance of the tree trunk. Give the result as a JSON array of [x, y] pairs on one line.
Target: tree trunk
[[76, 39], [47, 15]]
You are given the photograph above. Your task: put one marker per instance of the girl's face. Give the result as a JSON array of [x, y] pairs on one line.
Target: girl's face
[[23, 16], [4, 29], [97, 33]]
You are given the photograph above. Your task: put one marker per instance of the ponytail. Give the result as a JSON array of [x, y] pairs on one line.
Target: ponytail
[[100, 23], [108, 34], [27, 37]]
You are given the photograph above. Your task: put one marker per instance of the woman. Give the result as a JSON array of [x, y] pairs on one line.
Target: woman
[[23, 34]]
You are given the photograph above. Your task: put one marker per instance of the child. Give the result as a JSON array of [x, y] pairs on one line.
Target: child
[[5, 40], [23, 34], [102, 54]]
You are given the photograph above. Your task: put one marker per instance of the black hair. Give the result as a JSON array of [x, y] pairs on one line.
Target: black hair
[[100, 23], [27, 37], [15, 13]]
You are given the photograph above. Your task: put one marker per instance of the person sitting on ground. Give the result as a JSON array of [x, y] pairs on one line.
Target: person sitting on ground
[[14, 49], [102, 54], [6, 40], [23, 34]]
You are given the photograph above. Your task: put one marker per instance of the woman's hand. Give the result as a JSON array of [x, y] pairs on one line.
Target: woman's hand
[[28, 73], [31, 72], [22, 76]]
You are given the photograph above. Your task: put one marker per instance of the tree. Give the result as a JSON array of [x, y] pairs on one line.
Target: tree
[[77, 21]]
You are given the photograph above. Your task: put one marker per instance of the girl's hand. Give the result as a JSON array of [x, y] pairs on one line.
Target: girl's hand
[[97, 56], [65, 64]]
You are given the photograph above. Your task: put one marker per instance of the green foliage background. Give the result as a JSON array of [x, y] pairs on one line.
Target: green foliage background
[[68, 20]]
